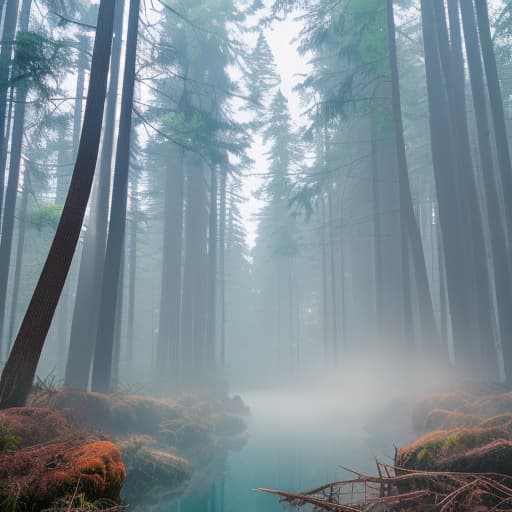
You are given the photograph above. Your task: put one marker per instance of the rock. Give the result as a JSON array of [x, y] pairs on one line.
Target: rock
[[41, 474], [36, 425]]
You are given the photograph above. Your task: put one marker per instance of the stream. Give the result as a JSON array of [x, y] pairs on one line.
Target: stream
[[295, 442]]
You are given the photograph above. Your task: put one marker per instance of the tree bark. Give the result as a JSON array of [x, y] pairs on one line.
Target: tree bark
[[18, 374], [102, 367], [132, 273], [211, 314], [86, 310], [477, 281], [10, 201], [496, 229], [428, 329], [168, 343], [444, 173], [6, 50], [22, 225], [222, 267], [498, 114]]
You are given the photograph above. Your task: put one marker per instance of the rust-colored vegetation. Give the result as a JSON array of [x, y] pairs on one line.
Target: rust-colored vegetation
[[41, 474], [54, 452]]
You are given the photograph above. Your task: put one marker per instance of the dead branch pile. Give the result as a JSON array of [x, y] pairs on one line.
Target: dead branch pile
[[399, 490]]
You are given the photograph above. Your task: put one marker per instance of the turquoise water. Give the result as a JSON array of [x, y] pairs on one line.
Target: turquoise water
[[295, 442]]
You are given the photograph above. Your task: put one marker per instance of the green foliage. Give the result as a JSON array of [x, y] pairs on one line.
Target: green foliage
[[9, 441], [39, 60], [46, 216], [80, 501], [8, 500]]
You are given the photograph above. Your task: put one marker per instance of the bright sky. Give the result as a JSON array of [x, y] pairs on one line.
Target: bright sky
[[289, 65]]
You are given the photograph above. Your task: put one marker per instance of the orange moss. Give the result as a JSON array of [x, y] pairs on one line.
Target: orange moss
[[501, 420], [443, 419], [41, 474], [493, 405], [429, 451], [451, 401], [36, 425], [118, 414], [493, 457]]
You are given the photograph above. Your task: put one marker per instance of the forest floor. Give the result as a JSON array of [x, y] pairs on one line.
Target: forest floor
[[75, 451], [461, 461]]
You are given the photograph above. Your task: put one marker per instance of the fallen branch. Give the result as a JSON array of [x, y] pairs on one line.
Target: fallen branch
[[399, 490]]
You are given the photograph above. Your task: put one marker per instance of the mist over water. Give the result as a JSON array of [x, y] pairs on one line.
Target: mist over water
[[303, 435], [306, 204]]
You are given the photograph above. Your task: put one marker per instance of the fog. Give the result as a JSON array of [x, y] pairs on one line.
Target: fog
[[303, 207]]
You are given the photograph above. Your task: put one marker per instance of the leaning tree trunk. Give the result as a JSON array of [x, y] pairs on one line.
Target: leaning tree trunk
[[19, 371], [86, 309], [102, 367], [410, 229]]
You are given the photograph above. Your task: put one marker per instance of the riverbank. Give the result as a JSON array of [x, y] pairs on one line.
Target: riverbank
[[85, 450]]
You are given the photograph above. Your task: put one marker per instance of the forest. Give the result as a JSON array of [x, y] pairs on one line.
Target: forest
[[255, 255]]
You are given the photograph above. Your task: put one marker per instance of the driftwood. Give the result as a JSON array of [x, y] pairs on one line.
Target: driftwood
[[401, 490]]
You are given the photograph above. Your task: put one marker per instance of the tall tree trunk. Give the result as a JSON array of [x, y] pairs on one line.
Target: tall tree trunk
[[12, 182], [102, 367], [410, 230], [118, 329], [478, 281], [86, 310], [22, 225], [83, 49], [325, 293], [10, 202], [332, 264], [444, 173], [498, 114], [193, 310], [132, 274], [6, 51], [18, 374], [211, 314], [222, 267], [65, 156], [500, 265], [168, 342], [377, 232]]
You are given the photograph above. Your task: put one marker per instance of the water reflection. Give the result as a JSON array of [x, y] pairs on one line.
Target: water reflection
[[295, 442]]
